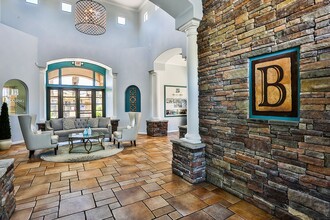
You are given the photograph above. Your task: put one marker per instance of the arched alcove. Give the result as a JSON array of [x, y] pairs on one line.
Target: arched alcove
[[15, 94], [132, 99]]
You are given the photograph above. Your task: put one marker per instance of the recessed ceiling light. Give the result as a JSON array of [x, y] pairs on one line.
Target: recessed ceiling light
[[66, 7], [32, 1], [121, 20]]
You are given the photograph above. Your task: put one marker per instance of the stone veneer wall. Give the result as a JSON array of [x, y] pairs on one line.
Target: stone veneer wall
[[282, 167], [157, 128], [8, 203]]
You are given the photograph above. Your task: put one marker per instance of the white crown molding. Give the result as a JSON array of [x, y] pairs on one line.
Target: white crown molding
[[136, 9], [143, 4], [118, 5]]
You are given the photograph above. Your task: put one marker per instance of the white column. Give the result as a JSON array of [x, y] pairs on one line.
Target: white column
[[155, 95], [42, 94], [114, 93], [152, 94], [192, 135]]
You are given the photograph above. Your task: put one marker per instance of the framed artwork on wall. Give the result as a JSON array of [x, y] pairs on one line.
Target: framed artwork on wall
[[175, 101], [274, 86]]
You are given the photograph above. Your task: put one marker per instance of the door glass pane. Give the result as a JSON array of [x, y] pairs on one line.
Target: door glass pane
[[77, 76], [53, 96], [69, 103], [85, 104], [99, 103], [99, 79]]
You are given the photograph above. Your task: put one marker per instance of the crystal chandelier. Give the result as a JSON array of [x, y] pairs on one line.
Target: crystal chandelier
[[90, 17]]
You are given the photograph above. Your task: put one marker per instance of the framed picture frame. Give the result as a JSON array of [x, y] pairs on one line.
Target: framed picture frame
[[175, 101], [274, 86]]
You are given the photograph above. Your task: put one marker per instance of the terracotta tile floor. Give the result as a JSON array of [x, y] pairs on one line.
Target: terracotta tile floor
[[135, 184]]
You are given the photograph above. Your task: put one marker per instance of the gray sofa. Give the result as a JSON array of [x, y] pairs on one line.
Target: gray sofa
[[65, 126]]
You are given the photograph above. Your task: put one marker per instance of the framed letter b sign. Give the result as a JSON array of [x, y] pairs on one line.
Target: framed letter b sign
[[274, 86]]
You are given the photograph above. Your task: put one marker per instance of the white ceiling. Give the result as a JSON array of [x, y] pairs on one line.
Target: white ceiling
[[133, 4]]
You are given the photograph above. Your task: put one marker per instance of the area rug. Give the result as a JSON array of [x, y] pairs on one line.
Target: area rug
[[79, 154]]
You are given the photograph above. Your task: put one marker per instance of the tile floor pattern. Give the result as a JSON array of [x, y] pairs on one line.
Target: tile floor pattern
[[135, 184]]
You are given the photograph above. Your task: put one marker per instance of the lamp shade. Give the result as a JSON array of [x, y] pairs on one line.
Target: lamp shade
[[90, 17]]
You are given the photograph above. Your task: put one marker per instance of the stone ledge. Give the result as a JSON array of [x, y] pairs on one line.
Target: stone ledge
[[155, 120], [189, 145], [6, 163]]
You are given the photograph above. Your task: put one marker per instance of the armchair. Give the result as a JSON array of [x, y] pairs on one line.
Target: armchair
[[34, 140], [130, 132]]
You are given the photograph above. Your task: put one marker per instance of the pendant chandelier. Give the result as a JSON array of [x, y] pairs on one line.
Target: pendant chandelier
[[90, 17]]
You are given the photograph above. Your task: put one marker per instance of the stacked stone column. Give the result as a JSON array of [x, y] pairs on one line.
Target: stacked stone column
[[7, 203], [188, 152]]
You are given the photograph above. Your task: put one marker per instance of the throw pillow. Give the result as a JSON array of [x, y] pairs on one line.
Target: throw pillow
[[103, 122], [57, 124], [81, 122], [93, 122], [68, 123]]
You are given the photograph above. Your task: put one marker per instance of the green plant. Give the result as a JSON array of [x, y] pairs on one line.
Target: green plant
[[4, 123]]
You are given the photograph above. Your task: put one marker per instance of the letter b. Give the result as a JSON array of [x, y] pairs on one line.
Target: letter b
[[265, 84]]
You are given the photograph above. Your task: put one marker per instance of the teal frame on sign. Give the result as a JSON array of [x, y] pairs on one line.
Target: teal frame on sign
[[270, 59]]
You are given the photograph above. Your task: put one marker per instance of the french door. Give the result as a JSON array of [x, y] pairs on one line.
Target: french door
[[79, 103]]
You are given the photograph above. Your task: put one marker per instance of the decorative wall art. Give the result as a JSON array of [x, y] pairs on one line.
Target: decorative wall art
[[175, 101], [274, 86]]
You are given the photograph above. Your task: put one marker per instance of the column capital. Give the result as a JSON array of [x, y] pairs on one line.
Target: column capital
[[190, 28], [42, 69], [152, 72]]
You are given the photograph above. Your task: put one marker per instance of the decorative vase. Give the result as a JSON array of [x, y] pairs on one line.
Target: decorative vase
[[5, 144]]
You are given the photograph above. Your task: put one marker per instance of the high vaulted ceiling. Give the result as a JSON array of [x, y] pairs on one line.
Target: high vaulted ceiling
[[132, 4]]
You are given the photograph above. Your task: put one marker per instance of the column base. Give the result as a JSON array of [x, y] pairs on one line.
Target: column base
[[192, 138], [157, 128], [182, 131], [189, 161]]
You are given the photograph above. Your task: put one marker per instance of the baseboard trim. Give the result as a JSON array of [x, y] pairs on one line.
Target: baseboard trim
[[18, 142]]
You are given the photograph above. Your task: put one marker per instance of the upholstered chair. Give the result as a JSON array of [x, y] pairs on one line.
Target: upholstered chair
[[130, 132], [33, 139]]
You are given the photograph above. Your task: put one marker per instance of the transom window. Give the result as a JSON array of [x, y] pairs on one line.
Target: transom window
[[75, 89]]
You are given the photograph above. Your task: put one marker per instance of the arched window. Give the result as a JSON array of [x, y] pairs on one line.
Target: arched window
[[75, 89], [15, 94], [132, 99]]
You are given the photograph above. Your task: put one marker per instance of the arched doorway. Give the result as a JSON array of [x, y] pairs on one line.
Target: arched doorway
[[15, 94], [171, 69]]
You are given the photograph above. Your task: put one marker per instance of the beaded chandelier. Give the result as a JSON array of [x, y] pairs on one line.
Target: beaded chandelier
[[90, 17]]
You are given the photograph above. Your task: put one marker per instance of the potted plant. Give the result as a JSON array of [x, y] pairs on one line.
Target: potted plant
[[5, 134]]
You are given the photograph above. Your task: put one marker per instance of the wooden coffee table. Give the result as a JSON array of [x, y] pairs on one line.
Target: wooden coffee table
[[86, 140]]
